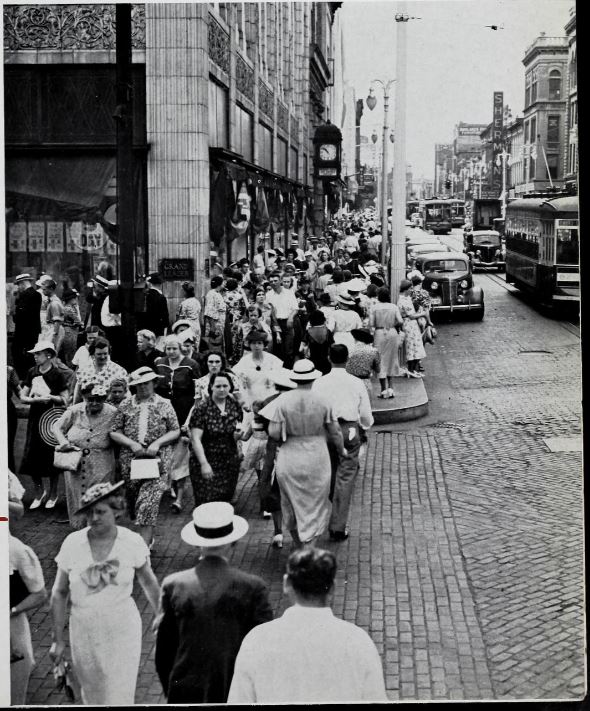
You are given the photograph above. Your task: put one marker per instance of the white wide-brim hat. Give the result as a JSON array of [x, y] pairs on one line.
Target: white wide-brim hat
[[181, 322], [356, 284], [214, 524], [346, 300], [304, 370], [142, 375], [282, 377]]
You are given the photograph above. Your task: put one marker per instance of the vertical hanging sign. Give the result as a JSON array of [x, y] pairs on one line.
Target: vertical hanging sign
[[497, 141]]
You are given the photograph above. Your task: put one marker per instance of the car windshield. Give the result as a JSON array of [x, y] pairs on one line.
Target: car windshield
[[486, 238], [445, 265]]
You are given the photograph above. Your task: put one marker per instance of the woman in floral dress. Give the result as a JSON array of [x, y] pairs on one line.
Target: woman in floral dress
[[72, 325], [215, 462], [145, 426], [236, 308], [190, 310], [414, 346]]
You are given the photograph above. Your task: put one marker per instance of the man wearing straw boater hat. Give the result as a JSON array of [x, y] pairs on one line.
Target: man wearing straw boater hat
[[206, 611]]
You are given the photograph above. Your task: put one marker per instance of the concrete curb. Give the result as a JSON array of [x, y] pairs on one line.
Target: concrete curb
[[410, 402]]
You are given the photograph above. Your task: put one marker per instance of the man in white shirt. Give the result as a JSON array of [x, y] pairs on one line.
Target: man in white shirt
[[307, 655], [351, 243], [286, 307], [349, 400]]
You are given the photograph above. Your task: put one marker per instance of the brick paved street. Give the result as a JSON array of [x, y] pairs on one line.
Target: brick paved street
[[464, 561]]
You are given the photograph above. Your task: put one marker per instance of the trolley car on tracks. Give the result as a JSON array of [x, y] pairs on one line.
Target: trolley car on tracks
[[542, 247]]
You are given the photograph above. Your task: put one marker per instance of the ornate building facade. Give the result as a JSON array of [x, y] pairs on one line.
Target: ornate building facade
[[226, 98]]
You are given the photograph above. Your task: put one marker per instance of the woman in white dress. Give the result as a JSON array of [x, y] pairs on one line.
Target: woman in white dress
[[346, 320], [254, 368], [96, 568]]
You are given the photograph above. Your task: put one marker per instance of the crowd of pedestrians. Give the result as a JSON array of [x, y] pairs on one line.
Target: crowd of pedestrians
[[271, 373]]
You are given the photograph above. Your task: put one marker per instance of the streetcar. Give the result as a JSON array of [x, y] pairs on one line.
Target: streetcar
[[436, 216], [457, 212], [412, 206], [542, 247]]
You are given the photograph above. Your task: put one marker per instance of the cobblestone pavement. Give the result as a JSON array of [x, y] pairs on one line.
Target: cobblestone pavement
[[464, 561]]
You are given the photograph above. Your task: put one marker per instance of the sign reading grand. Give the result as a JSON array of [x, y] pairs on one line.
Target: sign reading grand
[[497, 140], [177, 269]]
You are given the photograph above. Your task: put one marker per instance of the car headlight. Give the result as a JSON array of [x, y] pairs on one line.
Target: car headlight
[[464, 283], [434, 285], [478, 253]]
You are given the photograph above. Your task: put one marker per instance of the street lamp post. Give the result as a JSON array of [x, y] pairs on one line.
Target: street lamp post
[[371, 103]]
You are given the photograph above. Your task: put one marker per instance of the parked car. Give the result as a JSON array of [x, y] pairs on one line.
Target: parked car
[[485, 249], [448, 278], [417, 249]]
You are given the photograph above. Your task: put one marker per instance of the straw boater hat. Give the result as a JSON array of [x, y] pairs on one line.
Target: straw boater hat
[[362, 334], [214, 524], [303, 371], [96, 493], [22, 277], [101, 281], [142, 375], [186, 335], [282, 377], [43, 346], [346, 300]]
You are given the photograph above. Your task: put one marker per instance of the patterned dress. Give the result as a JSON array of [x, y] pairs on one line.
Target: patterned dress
[[221, 450], [105, 376], [190, 310], [91, 435], [72, 324], [236, 308], [414, 346], [143, 497]]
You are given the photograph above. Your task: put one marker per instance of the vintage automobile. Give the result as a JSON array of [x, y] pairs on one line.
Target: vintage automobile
[[485, 249], [448, 278]]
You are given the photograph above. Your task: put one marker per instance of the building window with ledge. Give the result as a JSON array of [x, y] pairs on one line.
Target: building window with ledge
[[533, 85], [552, 131], [554, 85], [527, 89]]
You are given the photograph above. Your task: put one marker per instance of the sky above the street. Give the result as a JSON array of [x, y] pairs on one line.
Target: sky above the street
[[454, 62]]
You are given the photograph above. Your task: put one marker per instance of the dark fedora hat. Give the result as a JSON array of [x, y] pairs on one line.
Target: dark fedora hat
[[256, 336]]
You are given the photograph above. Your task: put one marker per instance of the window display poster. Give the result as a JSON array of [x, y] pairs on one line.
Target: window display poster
[[17, 237], [111, 248], [36, 236], [55, 236], [73, 237]]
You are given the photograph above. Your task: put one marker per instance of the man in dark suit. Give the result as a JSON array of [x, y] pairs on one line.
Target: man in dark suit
[[27, 323], [155, 317], [206, 611]]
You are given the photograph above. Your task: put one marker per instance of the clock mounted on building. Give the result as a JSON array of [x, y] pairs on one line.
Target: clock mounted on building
[[327, 155], [327, 151]]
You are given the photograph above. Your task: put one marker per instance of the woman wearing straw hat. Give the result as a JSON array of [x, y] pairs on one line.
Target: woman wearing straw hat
[[45, 386], [207, 610], [145, 426], [96, 569], [301, 421]]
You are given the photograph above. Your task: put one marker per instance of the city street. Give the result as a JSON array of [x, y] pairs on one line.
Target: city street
[[464, 561]]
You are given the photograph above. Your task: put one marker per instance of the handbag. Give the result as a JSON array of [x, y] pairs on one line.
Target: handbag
[[144, 468], [68, 461]]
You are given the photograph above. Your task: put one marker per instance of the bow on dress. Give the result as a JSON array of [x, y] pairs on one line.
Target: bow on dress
[[99, 575]]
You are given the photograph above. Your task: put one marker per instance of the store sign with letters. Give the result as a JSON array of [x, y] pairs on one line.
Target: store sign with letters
[[177, 269]]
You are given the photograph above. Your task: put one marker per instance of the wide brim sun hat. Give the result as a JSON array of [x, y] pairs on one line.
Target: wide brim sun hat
[[180, 322], [303, 371], [282, 377], [97, 493], [214, 524], [142, 375], [356, 284]]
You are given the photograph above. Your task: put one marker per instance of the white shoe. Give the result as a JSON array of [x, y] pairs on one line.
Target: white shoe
[[277, 540], [266, 514], [37, 502], [51, 503]]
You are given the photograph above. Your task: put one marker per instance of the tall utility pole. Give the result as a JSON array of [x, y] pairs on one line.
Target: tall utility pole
[[397, 260], [125, 194]]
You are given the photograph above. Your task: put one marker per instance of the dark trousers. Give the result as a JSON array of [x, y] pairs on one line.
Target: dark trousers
[[285, 349], [344, 471]]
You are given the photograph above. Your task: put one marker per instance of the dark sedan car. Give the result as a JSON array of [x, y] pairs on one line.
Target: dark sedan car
[[485, 249], [448, 279]]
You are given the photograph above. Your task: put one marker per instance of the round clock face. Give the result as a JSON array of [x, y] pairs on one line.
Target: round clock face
[[327, 151]]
